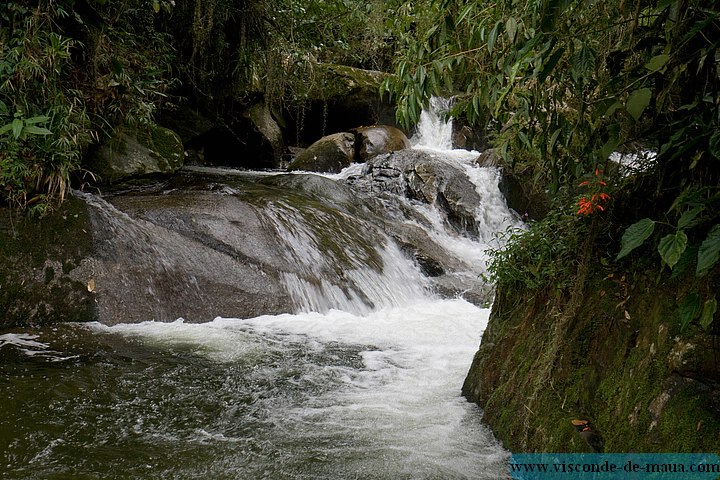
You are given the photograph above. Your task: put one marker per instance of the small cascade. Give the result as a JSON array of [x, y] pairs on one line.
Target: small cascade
[[434, 130], [342, 262], [491, 212]]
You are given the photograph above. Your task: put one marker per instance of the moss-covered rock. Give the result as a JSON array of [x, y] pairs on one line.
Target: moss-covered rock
[[342, 81], [331, 153], [138, 152], [42, 278], [610, 351]]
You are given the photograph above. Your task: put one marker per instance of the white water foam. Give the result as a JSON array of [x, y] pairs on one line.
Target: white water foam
[[402, 404], [27, 344], [349, 269], [434, 130]]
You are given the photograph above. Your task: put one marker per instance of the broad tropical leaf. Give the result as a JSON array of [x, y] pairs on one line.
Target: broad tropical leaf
[[638, 102], [657, 62], [635, 235], [709, 251], [672, 246], [689, 309], [689, 216]]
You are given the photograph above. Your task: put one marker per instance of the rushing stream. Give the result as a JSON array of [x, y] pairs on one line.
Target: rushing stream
[[362, 382]]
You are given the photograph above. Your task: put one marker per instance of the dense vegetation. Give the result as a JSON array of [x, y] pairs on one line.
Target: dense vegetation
[[561, 85], [71, 71], [606, 306]]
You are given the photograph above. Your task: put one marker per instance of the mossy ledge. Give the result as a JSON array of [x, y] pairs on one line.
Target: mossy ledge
[[43, 278], [611, 351]]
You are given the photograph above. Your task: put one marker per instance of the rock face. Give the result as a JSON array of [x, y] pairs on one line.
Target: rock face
[[376, 140], [263, 138], [136, 153], [191, 255], [425, 177], [329, 154], [251, 138], [41, 267], [612, 352]]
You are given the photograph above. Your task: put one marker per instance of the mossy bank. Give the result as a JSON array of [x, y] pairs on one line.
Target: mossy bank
[[610, 350], [42, 278]]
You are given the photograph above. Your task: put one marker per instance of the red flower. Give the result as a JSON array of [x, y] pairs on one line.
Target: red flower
[[597, 196]]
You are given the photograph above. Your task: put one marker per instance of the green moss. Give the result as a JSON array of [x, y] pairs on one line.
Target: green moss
[[341, 81], [36, 286], [609, 367], [165, 146]]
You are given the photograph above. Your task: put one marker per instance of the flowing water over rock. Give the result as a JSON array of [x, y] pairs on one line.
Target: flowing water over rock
[[351, 338]]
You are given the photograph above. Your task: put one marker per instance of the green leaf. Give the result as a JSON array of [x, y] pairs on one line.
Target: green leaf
[[34, 120], [465, 12], [32, 129], [550, 64], [708, 314], [584, 60], [672, 246], [511, 28], [156, 6], [689, 216], [421, 75], [687, 260], [492, 37], [5, 128], [553, 139], [609, 146], [689, 310], [709, 251], [657, 62], [613, 108], [715, 145], [17, 127], [638, 102], [635, 235]]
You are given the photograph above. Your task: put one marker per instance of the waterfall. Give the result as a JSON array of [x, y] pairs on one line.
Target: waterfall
[[271, 326], [342, 263], [434, 130]]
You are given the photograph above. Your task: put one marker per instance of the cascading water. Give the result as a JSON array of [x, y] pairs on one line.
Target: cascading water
[[360, 379], [434, 131]]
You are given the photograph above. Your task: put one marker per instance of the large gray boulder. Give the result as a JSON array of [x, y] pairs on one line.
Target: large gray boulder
[[138, 152], [378, 139], [427, 178], [330, 154]]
